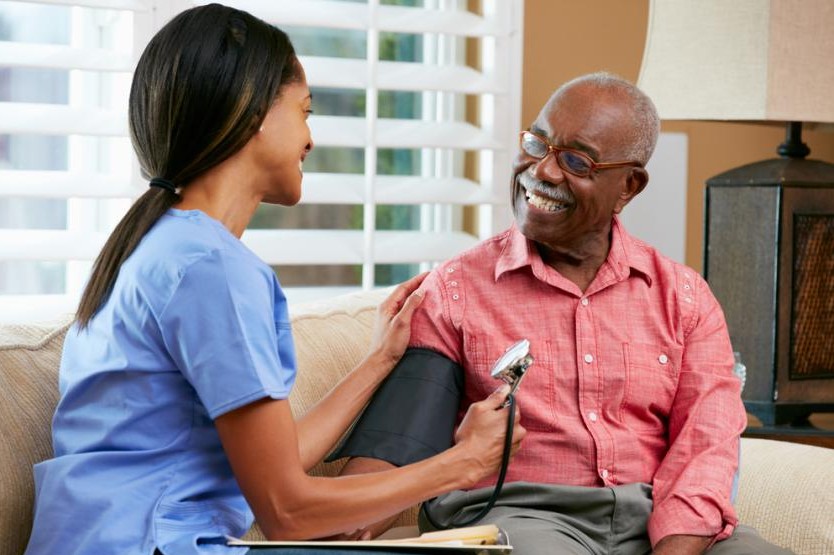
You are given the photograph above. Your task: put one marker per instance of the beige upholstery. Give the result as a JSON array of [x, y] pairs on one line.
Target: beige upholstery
[[786, 494], [29, 357], [785, 490]]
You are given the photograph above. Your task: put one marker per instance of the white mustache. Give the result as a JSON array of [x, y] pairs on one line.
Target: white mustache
[[530, 183]]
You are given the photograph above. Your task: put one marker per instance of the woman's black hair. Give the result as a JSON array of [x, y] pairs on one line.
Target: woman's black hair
[[201, 89]]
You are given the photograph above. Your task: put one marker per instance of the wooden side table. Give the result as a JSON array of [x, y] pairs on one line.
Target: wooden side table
[[819, 430]]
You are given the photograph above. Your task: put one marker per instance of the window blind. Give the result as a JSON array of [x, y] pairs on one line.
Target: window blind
[[457, 72]]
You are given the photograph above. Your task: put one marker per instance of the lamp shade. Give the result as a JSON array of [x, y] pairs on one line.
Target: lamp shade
[[758, 60]]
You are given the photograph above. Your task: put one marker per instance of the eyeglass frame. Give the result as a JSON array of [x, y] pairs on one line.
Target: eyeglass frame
[[594, 166]]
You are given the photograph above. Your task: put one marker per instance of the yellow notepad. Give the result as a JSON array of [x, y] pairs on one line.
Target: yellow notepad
[[486, 539]]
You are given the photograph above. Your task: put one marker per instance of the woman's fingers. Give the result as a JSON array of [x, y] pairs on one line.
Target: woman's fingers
[[393, 324], [392, 305]]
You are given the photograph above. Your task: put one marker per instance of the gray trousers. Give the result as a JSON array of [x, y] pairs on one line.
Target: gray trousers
[[544, 519]]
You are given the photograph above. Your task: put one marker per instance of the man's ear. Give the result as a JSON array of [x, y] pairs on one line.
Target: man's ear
[[635, 182]]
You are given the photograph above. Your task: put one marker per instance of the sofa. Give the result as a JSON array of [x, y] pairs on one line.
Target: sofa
[[785, 491]]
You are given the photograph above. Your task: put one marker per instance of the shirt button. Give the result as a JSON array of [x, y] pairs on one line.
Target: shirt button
[[584, 301], [592, 416], [450, 270], [455, 297], [453, 284], [663, 359], [589, 358], [604, 473]]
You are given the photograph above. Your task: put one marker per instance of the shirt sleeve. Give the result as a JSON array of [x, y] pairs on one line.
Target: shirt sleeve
[[432, 325], [223, 327], [693, 485]]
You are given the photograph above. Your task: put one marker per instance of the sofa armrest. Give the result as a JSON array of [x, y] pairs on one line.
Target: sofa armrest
[[786, 494]]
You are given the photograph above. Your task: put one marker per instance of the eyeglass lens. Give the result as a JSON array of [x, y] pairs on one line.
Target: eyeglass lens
[[568, 160]]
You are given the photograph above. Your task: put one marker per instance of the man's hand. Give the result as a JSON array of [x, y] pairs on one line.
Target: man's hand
[[682, 545]]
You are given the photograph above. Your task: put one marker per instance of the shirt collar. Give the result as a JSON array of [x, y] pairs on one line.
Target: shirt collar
[[626, 254]]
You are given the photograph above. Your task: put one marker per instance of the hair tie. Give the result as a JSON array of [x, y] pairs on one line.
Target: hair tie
[[163, 183]]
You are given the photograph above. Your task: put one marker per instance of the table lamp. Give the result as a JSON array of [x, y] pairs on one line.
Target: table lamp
[[769, 225]]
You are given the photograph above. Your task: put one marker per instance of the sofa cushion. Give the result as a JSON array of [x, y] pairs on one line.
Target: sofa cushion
[[29, 358], [785, 494]]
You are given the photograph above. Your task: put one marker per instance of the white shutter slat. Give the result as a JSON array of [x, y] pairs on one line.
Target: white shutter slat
[[50, 245], [339, 73], [309, 13], [400, 133], [275, 247], [319, 188], [132, 5], [333, 188], [20, 117], [413, 247], [59, 184], [402, 19], [405, 76], [397, 76], [340, 188], [345, 246], [418, 190], [348, 15], [54, 119], [53, 56], [310, 246]]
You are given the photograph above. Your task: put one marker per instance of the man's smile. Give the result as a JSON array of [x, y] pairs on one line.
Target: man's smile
[[543, 196]]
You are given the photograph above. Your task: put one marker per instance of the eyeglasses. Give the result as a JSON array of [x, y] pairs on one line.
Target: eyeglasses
[[572, 161]]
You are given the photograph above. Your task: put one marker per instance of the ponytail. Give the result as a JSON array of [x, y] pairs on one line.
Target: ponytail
[[200, 91]]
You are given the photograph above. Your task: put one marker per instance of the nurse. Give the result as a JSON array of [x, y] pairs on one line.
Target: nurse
[[173, 428]]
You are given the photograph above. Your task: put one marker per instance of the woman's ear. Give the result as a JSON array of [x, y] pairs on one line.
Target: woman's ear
[[635, 182]]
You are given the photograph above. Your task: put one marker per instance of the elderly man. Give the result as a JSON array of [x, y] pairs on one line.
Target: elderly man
[[632, 411]]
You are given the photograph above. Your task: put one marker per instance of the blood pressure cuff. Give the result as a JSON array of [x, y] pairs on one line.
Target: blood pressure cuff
[[412, 415]]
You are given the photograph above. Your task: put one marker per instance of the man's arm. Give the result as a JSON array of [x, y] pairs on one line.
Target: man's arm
[[411, 417], [693, 484], [427, 400]]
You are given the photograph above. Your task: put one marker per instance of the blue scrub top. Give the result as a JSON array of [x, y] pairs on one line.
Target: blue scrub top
[[196, 326]]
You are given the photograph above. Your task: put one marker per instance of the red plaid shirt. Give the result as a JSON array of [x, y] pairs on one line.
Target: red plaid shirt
[[632, 379]]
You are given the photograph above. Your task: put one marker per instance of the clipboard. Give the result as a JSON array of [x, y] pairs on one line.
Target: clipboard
[[476, 540]]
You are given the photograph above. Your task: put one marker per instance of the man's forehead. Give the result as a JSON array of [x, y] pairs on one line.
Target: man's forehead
[[586, 113]]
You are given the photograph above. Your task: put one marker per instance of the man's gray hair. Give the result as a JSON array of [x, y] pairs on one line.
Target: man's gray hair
[[646, 124]]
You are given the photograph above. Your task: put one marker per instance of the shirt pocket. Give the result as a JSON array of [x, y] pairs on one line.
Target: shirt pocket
[[651, 380], [535, 394]]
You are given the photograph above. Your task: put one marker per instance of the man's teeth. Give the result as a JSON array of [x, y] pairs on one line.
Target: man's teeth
[[300, 165], [543, 203]]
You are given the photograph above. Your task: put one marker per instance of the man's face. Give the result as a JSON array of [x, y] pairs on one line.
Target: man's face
[[558, 210]]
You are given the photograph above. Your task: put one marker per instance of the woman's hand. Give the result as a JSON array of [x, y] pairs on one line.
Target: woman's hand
[[482, 432], [393, 321]]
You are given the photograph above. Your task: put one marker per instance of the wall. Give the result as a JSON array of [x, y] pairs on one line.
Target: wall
[[567, 38]]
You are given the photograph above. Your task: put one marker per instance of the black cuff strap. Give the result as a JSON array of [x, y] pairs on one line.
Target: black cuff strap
[[412, 416]]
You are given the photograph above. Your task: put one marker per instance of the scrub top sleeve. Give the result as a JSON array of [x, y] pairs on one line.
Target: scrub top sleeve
[[220, 329]]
